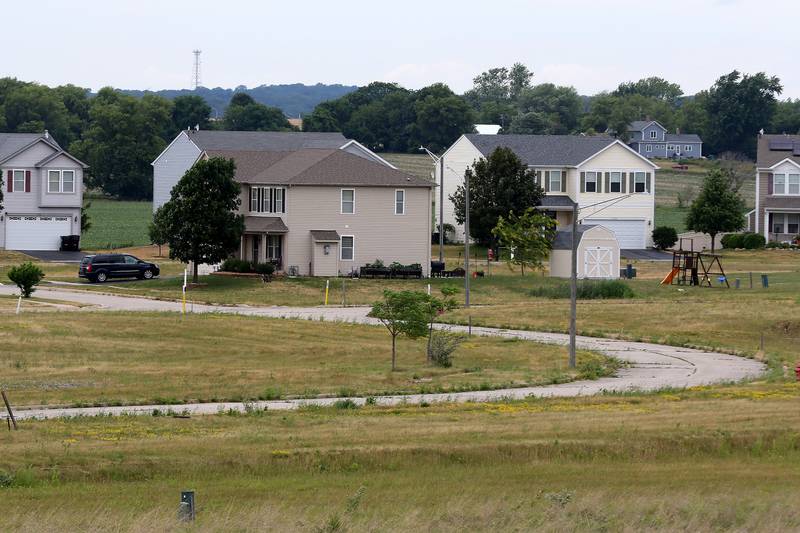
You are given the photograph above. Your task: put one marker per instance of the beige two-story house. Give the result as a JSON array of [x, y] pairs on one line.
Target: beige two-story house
[[42, 192], [314, 204], [777, 211], [612, 184]]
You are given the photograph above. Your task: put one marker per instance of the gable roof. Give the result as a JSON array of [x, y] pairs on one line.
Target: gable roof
[[682, 138], [325, 235], [59, 153], [312, 166], [264, 140], [563, 239], [640, 125], [12, 144], [544, 150], [264, 224], [769, 156]]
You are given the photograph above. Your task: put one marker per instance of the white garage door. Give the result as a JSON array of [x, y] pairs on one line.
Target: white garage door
[[35, 232], [630, 233], [597, 262]]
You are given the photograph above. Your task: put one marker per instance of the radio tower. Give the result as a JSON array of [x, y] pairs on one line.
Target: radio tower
[[196, 72]]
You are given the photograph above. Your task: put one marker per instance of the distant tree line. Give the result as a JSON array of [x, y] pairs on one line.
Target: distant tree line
[[119, 135]]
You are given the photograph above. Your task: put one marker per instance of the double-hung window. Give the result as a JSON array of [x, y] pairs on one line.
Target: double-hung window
[[346, 248], [793, 184], [18, 184], [649, 148], [400, 202], [793, 223], [779, 184], [687, 148], [591, 182], [554, 178], [348, 201], [639, 182], [615, 182], [653, 134], [267, 200], [60, 181]]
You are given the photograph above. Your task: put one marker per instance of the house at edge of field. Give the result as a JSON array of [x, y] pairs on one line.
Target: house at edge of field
[[570, 168], [314, 203], [777, 212], [43, 192], [650, 139]]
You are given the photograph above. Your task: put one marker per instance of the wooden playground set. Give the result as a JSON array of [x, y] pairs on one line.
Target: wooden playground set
[[695, 268]]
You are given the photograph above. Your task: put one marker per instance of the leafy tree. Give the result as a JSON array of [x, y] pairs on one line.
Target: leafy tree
[[717, 209], [498, 185], [614, 113], [200, 219], [738, 106], [787, 117], [245, 114], [321, 119], [157, 229], [122, 139], [652, 87], [189, 111], [561, 107], [437, 306], [86, 221], [403, 313], [529, 236], [664, 237], [26, 276], [530, 123], [440, 120], [33, 108]]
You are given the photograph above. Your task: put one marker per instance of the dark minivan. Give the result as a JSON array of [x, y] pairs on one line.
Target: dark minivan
[[104, 266]]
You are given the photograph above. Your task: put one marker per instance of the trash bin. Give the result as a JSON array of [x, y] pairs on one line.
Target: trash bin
[[70, 243]]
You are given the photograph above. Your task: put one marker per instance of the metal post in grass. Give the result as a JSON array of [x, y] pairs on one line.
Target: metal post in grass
[[466, 239], [8, 408], [573, 287]]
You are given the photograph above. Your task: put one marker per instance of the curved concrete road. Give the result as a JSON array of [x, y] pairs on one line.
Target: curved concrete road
[[650, 366]]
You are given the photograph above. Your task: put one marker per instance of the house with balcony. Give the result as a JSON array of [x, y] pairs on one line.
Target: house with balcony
[[777, 211], [314, 203], [612, 184], [42, 188], [651, 139]]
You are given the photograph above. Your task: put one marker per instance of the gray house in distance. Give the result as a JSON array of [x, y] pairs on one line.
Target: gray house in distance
[[650, 139]]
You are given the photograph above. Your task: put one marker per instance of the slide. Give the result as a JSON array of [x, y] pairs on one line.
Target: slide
[[669, 277]]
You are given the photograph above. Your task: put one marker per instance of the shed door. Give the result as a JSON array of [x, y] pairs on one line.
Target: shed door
[[597, 262], [36, 232], [630, 233]]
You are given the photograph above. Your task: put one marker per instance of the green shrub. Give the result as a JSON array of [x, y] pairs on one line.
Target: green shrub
[[664, 237], [265, 269], [345, 404], [753, 241], [732, 240], [27, 276], [236, 265], [587, 290], [443, 344]]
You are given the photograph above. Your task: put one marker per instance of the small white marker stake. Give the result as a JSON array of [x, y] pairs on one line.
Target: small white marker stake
[[429, 289], [183, 305]]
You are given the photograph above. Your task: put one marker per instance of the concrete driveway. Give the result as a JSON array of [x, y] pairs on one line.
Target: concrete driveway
[[649, 366]]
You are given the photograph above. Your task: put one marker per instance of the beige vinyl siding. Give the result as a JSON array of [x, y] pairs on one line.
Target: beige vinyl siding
[[377, 232]]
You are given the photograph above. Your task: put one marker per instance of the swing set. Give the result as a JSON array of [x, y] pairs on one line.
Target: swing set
[[695, 268]]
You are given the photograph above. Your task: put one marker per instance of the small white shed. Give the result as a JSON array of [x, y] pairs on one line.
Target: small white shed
[[598, 253]]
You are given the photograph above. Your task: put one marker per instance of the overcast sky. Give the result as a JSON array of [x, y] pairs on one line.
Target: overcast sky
[[589, 44]]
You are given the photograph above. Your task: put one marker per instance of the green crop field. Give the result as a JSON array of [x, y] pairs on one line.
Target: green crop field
[[117, 224], [420, 165]]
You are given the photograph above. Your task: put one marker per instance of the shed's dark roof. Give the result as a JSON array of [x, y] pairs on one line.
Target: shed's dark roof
[[264, 140], [11, 143], [563, 240], [546, 150], [682, 138], [767, 157], [264, 224], [324, 235], [315, 167]]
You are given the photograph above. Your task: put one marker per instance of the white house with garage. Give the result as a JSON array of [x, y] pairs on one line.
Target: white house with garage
[[613, 185], [42, 188]]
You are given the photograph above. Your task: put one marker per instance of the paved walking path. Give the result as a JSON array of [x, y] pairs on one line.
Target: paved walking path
[[650, 366]]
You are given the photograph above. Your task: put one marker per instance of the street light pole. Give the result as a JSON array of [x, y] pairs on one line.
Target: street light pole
[[573, 287], [466, 239], [439, 161]]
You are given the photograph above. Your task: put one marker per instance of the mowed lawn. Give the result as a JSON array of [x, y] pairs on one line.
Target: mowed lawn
[[104, 358], [716, 459], [117, 224]]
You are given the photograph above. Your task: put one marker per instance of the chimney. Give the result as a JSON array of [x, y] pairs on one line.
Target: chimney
[[46, 134]]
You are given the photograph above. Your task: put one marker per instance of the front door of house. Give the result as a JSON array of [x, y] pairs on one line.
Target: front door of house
[[256, 243]]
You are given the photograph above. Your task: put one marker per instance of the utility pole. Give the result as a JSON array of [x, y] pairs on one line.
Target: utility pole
[[573, 287], [466, 240]]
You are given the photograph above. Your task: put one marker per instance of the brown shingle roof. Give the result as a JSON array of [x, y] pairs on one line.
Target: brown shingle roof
[[265, 224], [315, 167], [767, 158], [325, 235]]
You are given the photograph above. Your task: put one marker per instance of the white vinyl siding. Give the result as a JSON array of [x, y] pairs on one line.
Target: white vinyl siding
[[348, 197], [400, 202], [347, 248]]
